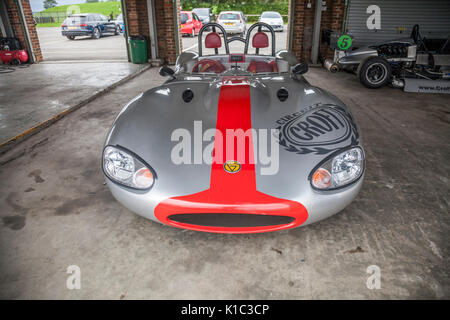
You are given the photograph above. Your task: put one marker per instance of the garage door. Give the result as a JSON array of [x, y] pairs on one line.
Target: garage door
[[397, 19]]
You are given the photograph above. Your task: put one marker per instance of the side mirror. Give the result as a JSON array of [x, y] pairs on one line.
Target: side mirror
[[166, 72], [300, 68]]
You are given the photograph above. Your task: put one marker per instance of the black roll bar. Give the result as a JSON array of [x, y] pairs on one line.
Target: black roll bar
[[259, 25], [236, 39], [213, 25]]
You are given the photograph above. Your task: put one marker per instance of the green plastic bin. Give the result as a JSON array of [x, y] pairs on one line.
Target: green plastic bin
[[138, 49]]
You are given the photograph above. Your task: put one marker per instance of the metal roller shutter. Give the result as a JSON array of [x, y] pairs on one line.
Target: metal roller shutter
[[397, 19]]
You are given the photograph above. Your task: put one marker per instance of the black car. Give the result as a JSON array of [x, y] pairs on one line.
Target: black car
[[205, 15], [88, 24]]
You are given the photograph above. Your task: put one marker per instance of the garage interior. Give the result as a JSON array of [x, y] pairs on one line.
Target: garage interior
[[56, 210]]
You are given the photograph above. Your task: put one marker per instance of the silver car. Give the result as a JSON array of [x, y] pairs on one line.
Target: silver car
[[274, 19], [233, 22], [235, 143]]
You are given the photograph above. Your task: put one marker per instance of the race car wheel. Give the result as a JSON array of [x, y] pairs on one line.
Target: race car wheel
[[71, 37], [374, 72], [96, 34]]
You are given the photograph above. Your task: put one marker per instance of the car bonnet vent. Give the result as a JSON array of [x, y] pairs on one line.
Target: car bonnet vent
[[282, 94], [188, 95]]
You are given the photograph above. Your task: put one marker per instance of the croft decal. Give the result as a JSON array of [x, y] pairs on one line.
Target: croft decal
[[319, 129]]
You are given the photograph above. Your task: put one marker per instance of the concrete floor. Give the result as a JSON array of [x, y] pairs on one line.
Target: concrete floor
[[55, 47], [57, 212], [51, 89], [235, 46]]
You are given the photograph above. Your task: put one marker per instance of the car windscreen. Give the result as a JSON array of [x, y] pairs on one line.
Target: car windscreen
[[220, 64], [271, 15], [201, 12], [75, 20], [119, 18], [229, 16], [184, 18]]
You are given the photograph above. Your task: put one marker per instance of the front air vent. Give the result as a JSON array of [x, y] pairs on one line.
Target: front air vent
[[188, 95], [230, 220], [282, 94]]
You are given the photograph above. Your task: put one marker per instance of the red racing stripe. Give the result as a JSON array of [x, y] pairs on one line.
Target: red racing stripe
[[232, 192]]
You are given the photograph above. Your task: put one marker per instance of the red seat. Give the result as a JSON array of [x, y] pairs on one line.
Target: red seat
[[260, 40], [213, 40], [256, 66]]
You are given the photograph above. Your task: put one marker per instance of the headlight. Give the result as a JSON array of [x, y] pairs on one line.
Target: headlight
[[339, 170], [124, 168]]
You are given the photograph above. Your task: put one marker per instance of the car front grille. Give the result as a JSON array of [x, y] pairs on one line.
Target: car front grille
[[230, 220]]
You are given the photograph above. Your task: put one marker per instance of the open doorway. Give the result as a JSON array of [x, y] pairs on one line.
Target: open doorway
[[236, 17], [80, 30]]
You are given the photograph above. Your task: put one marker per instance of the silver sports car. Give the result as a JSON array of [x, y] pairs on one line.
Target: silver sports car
[[235, 142]]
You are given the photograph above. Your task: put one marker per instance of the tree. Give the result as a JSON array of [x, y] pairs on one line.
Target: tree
[[50, 4]]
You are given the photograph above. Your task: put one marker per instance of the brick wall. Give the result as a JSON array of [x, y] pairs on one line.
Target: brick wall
[[303, 26], [137, 17], [332, 19], [32, 29], [165, 23], [19, 32]]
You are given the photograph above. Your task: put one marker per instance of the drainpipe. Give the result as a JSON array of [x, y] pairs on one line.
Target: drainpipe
[[344, 20], [152, 29], [291, 23], [125, 25], [316, 32], [25, 28], [177, 31]]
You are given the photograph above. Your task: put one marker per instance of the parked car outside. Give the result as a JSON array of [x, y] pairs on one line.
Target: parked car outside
[[272, 18], [88, 24], [190, 23], [205, 14], [233, 22]]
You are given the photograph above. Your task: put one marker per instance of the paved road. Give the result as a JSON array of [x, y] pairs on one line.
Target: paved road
[[55, 212], [235, 46], [55, 47]]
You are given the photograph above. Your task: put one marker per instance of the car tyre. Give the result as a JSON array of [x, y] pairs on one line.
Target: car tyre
[[374, 73], [117, 31], [96, 34], [71, 37], [193, 32]]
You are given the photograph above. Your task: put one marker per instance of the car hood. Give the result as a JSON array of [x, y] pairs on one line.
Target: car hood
[[311, 124]]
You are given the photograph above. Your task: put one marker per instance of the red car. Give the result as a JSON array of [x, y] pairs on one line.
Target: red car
[[190, 23]]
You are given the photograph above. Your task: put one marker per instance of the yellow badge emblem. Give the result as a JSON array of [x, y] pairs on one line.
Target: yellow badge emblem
[[232, 166]]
